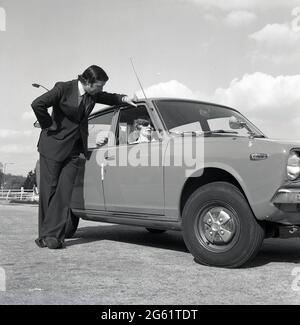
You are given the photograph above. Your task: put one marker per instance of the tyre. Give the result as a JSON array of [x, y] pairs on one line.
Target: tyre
[[219, 228], [71, 225], [155, 231]]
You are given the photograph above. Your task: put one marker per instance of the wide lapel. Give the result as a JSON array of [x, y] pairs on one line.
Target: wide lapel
[[73, 96], [72, 100], [69, 100]]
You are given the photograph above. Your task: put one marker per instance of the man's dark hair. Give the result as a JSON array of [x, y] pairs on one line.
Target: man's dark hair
[[93, 74]]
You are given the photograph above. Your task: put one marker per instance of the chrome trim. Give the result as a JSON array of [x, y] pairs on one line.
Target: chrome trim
[[287, 196], [259, 156]]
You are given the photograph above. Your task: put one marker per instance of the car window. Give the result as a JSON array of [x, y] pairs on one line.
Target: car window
[[128, 129], [99, 127], [194, 126], [185, 116], [182, 116]]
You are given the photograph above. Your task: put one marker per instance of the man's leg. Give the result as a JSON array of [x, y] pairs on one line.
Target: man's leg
[[57, 212], [49, 173]]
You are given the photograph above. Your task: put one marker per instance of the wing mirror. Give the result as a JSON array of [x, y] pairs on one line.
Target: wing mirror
[[36, 124], [236, 124]]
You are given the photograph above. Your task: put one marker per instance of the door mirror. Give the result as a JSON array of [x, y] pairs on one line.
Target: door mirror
[[36, 124], [236, 124]]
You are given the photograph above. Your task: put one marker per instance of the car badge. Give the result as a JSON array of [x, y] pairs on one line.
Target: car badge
[[259, 156]]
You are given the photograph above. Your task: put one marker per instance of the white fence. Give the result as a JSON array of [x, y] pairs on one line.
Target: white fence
[[21, 194]]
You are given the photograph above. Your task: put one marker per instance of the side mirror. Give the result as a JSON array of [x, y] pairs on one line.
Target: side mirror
[[36, 124], [236, 124]]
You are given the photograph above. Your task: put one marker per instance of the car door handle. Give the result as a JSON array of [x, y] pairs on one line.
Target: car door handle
[[110, 157]]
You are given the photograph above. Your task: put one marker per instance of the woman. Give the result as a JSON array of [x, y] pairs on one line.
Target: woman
[[142, 131]]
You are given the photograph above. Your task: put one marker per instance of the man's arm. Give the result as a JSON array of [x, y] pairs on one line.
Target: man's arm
[[114, 99], [109, 99], [41, 104]]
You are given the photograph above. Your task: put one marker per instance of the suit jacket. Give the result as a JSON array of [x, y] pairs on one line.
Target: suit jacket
[[71, 125]]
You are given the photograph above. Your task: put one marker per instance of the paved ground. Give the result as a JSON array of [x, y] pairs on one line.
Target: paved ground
[[112, 264]]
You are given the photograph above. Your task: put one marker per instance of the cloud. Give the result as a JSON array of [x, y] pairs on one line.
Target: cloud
[[9, 134], [277, 42], [243, 4], [240, 18], [235, 19], [172, 88], [277, 35], [272, 102]]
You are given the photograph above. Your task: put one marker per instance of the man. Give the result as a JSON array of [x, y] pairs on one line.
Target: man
[[62, 139]]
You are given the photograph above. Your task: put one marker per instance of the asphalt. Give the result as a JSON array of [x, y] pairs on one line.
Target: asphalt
[[112, 264]]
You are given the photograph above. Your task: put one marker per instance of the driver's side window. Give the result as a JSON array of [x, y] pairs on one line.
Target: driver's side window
[[135, 126], [99, 128]]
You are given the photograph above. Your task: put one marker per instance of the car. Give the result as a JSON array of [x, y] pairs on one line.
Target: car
[[244, 188]]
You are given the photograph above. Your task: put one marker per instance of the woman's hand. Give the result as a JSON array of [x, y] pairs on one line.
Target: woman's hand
[[101, 139]]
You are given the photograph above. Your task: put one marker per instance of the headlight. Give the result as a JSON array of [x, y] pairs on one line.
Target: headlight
[[293, 166]]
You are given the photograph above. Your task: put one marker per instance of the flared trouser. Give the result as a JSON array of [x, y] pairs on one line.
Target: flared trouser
[[56, 185]]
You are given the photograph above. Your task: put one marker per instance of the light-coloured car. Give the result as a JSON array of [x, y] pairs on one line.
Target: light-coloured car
[[243, 187]]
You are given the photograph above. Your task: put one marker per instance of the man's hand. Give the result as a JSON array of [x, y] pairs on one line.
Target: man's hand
[[53, 126], [130, 100]]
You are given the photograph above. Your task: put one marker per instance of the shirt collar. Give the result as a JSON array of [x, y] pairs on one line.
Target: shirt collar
[[80, 88]]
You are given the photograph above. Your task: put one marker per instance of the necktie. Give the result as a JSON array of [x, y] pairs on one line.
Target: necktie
[[83, 105]]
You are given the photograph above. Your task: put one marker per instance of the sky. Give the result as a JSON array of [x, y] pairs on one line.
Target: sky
[[241, 53]]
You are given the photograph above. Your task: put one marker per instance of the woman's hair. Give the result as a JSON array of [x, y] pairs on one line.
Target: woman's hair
[[138, 122], [93, 74]]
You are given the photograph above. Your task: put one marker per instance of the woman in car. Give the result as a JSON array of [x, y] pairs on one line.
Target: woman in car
[[142, 132]]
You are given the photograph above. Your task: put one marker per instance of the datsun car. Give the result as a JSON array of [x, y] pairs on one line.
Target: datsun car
[[246, 187]]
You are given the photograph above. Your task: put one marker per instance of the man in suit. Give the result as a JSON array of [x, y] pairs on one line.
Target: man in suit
[[63, 137]]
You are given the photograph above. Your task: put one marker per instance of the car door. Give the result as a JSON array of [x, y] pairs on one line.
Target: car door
[[88, 190], [133, 178]]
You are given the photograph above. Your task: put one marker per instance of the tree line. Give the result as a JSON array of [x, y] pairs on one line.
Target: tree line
[[18, 181]]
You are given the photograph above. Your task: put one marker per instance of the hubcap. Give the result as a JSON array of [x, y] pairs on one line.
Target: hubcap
[[217, 225]]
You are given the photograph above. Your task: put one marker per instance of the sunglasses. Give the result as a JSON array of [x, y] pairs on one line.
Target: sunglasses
[[146, 124]]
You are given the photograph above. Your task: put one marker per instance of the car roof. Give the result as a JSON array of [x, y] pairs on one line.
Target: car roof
[[152, 99]]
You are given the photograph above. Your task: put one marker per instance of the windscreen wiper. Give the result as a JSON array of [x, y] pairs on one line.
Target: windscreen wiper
[[210, 132], [204, 132], [220, 131], [252, 134], [258, 136]]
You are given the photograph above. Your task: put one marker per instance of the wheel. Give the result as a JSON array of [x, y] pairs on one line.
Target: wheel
[[71, 225], [219, 228], [156, 231]]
